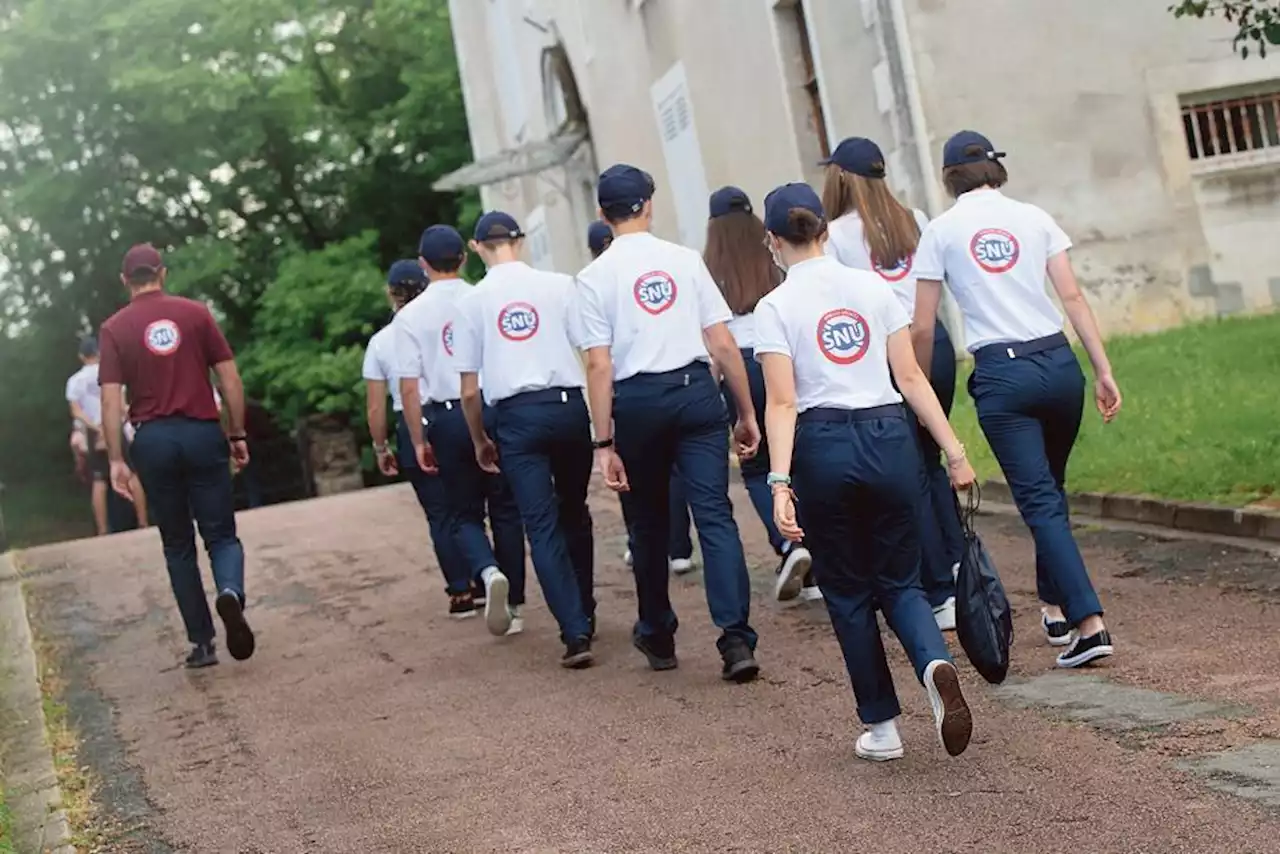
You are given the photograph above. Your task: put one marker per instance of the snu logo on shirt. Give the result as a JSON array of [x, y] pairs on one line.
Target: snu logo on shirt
[[893, 274], [162, 337], [655, 292], [446, 337], [995, 250], [843, 336], [518, 321]]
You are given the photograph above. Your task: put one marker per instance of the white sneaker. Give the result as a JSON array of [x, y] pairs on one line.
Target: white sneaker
[[880, 743], [497, 614], [951, 713], [628, 558], [680, 565], [791, 575], [955, 570], [945, 615], [517, 620], [811, 594]]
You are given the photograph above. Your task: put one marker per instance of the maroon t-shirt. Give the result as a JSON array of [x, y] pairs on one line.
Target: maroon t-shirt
[[161, 347]]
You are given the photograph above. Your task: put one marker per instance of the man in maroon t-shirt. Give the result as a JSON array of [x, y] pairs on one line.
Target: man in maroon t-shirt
[[162, 347]]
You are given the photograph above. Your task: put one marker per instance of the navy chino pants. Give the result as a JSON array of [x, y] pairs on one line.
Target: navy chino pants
[[435, 504], [185, 468], [468, 490], [941, 534], [677, 421], [755, 471], [855, 474], [544, 444]]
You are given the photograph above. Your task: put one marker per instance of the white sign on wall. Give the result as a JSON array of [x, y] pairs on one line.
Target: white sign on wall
[[538, 239], [688, 179]]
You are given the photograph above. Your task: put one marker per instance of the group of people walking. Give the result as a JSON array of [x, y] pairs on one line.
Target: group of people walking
[[796, 339]]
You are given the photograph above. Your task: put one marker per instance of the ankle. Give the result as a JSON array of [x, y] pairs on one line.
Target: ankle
[[1090, 626]]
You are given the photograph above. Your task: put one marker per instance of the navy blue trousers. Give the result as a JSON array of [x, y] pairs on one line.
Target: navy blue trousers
[[857, 481], [755, 471], [680, 545], [1029, 408], [941, 534], [468, 489], [435, 504], [185, 468], [677, 420], [544, 442]]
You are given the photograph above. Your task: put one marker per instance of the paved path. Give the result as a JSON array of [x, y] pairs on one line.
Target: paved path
[[368, 722]]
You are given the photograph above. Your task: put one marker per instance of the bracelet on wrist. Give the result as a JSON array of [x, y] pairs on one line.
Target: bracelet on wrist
[[601, 444], [954, 459], [776, 479], [239, 437], [381, 447]]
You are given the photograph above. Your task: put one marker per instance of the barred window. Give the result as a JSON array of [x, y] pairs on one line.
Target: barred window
[[1226, 127]]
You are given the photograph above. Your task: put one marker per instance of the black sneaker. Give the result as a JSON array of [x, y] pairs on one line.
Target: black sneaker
[[577, 654], [1056, 632], [739, 664], [591, 631], [1084, 650], [462, 605], [661, 652], [202, 655], [240, 641]]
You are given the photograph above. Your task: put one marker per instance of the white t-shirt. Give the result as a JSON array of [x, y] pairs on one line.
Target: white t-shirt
[[514, 328], [648, 300], [380, 364], [84, 391], [992, 252], [743, 327], [847, 242], [424, 340], [834, 323]]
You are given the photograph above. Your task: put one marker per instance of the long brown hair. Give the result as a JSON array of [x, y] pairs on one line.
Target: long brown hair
[[890, 229], [739, 261]]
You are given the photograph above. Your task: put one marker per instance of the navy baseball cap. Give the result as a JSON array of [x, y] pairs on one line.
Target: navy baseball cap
[[726, 200], [88, 346], [441, 243], [406, 271], [953, 153], [496, 225], [598, 236], [858, 155], [779, 204], [624, 189]]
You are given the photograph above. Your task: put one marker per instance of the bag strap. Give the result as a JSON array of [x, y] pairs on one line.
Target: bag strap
[[973, 502]]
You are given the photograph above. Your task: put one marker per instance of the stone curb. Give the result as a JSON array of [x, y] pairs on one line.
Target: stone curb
[[34, 797], [1179, 515]]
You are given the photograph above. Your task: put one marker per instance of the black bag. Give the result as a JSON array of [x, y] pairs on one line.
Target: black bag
[[984, 620]]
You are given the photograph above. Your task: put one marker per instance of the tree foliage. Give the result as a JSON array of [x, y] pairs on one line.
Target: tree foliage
[[1257, 23], [242, 136]]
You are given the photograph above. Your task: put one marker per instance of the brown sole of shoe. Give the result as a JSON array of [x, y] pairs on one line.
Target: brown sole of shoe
[[957, 721], [578, 662]]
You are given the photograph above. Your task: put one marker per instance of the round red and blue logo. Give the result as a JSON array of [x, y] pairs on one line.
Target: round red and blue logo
[[843, 336], [518, 321], [162, 337], [995, 250], [446, 337], [655, 292], [894, 274]]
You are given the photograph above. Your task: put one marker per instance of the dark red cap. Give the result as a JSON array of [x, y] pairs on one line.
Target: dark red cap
[[144, 256]]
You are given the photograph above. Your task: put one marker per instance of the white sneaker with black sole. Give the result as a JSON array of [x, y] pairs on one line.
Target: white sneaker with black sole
[[880, 743], [945, 615], [792, 573], [497, 612], [1084, 650], [951, 713], [1056, 632]]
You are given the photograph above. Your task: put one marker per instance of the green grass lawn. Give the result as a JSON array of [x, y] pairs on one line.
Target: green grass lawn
[[1201, 416], [46, 512], [6, 826]]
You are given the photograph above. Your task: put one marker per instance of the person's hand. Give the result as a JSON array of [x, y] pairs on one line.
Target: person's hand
[[387, 462], [784, 513], [746, 437], [961, 473], [120, 477], [487, 456], [239, 453], [1107, 395], [426, 458], [615, 473]]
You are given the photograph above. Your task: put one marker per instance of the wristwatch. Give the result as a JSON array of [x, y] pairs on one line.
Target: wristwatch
[[601, 444]]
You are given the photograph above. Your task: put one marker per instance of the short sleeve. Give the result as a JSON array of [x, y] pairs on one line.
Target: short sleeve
[[372, 369], [930, 261], [712, 308], [109, 368], [71, 391], [589, 326], [771, 335], [408, 350], [833, 247], [468, 337], [892, 314], [1056, 239], [217, 350]]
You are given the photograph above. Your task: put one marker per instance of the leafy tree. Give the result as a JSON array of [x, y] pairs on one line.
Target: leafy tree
[[1257, 23]]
